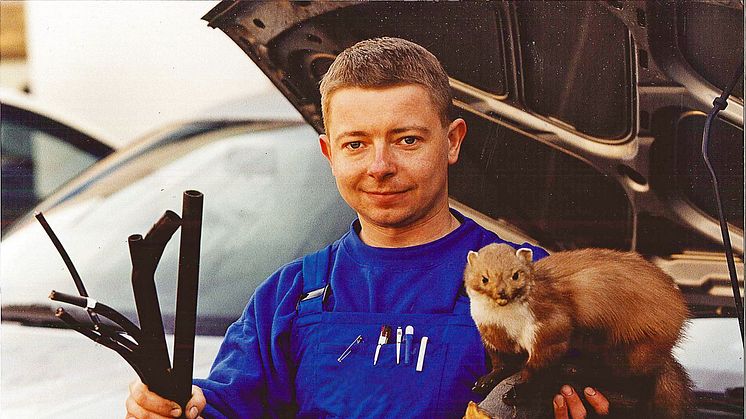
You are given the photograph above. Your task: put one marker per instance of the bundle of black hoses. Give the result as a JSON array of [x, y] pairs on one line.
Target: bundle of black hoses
[[144, 347], [719, 104]]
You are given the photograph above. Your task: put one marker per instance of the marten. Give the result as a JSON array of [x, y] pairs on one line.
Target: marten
[[589, 317]]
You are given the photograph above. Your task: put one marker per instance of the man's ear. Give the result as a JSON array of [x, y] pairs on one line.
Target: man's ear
[[456, 134], [326, 148]]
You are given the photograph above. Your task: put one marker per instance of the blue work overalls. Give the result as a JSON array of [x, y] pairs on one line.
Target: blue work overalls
[[454, 358]]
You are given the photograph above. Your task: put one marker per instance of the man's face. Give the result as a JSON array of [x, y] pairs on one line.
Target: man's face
[[390, 153]]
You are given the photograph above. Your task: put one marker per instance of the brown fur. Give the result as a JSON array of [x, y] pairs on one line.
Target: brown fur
[[617, 306]]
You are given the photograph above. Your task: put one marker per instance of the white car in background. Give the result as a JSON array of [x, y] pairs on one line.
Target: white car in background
[[267, 189], [41, 150]]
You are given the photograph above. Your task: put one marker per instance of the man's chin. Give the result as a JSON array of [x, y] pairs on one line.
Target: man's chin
[[387, 218]]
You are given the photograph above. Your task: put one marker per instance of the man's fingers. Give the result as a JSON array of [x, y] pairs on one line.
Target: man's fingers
[[196, 404], [143, 403], [134, 410], [597, 401], [574, 404], [569, 403], [560, 407]]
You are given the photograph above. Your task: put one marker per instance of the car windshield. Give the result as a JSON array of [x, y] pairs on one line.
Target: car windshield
[[269, 198]]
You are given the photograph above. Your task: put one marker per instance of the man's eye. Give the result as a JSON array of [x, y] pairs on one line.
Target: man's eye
[[354, 145], [409, 140]]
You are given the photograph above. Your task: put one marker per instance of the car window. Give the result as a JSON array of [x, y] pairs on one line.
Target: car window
[[38, 156], [269, 198]]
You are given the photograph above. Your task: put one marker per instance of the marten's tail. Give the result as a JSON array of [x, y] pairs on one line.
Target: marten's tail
[[673, 396]]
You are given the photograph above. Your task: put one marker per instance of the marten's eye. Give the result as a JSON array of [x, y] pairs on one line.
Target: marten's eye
[[515, 276], [485, 280]]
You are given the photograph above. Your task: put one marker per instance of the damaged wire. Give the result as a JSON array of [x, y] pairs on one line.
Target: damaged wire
[[68, 262], [144, 348]]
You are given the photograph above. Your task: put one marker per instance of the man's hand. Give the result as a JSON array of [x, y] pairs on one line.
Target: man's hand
[[569, 403], [144, 404]]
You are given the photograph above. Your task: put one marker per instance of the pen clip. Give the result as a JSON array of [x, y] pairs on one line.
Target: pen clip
[[347, 351]]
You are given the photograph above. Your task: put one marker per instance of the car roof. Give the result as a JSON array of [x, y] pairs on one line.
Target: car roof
[[13, 100]]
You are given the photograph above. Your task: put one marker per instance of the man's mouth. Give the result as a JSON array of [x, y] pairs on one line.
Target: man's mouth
[[386, 196], [383, 193]]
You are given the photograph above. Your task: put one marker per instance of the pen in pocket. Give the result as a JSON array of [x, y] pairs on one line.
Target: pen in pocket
[[349, 348], [408, 337], [421, 354]]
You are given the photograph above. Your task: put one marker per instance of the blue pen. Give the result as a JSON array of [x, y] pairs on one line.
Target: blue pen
[[408, 338]]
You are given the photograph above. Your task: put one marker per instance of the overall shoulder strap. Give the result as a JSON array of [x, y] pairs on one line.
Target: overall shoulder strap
[[315, 281]]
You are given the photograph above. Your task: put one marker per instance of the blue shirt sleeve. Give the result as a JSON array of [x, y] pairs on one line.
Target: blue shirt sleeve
[[252, 375]]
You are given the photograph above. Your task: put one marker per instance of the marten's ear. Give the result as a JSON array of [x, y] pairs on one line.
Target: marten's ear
[[525, 254], [471, 257]]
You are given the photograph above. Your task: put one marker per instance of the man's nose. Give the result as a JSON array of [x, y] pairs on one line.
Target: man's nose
[[383, 164]]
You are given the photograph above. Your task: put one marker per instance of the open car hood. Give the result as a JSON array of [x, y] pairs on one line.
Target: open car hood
[[585, 118]]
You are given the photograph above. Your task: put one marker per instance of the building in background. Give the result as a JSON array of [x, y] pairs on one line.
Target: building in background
[[12, 45]]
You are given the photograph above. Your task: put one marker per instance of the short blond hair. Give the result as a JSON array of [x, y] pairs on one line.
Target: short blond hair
[[388, 62]]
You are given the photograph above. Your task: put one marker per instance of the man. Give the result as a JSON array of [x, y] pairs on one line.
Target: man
[[307, 343]]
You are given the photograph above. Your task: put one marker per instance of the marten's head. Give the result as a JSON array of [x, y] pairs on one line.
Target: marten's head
[[499, 272]]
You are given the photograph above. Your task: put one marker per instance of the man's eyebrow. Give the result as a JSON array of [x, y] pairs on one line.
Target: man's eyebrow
[[398, 130], [420, 128], [352, 134]]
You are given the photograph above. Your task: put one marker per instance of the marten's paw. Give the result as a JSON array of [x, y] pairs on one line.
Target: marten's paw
[[486, 383]]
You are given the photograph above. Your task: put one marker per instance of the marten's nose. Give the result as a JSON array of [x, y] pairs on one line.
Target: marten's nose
[[503, 294]]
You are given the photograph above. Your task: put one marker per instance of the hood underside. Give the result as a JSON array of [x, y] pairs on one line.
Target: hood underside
[[585, 118]]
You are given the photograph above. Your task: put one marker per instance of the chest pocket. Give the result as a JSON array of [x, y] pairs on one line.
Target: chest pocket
[[355, 387]]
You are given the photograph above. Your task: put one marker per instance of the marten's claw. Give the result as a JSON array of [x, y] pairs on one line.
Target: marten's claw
[[485, 384]]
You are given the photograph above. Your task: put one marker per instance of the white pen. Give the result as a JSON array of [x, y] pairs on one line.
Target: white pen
[[383, 339], [398, 344], [421, 355]]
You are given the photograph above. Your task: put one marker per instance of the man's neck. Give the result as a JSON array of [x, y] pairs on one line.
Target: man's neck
[[421, 232]]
